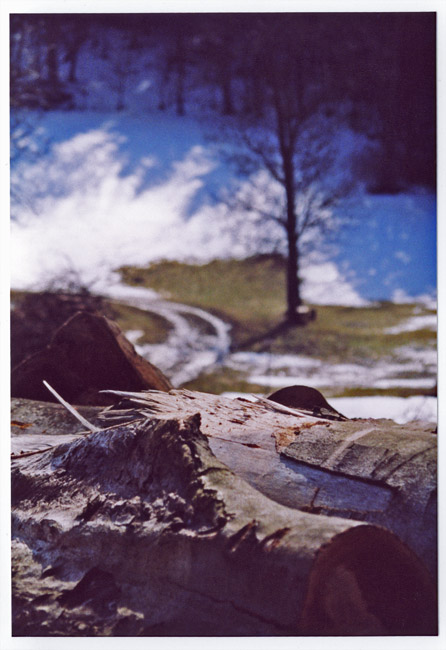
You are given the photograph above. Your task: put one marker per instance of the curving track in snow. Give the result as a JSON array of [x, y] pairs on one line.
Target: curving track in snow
[[197, 340]]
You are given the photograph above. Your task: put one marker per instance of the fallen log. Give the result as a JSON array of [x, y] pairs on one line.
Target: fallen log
[[192, 514], [366, 469], [86, 354]]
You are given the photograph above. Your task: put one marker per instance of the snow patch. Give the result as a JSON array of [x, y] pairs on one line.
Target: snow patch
[[278, 371], [133, 336], [398, 409], [325, 285], [187, 351], [402, 257], [428, 322], [427, 300]]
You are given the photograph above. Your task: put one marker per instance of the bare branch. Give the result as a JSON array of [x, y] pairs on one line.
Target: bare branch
[[262, 154]]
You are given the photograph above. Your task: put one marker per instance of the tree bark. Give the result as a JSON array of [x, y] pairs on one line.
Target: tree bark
[[180, 69], [370, 470], [187, 521], [286, 142], [293, 292]]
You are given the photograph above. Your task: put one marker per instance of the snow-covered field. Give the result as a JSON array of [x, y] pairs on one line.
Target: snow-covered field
[[277, 371], [399, 409], [187, 352], [123, 189], [114, 190], [415, 323]]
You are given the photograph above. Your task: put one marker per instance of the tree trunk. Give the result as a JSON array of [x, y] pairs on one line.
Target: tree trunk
[[72, 55], [226, 91], [358, 469], [52, 41], [111, 361], [180, 65], [72, 59], [201, 517], [293, 284], [293, 289], [52, 65], [286, 142]]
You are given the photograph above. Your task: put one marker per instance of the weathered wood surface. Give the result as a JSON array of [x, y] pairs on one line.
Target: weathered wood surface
[[42, 425], [371, 470], [203, 517]]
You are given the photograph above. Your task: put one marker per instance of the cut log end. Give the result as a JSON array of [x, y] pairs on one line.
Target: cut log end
[[367, 582]]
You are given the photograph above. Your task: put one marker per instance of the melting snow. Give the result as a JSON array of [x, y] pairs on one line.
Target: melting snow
[[187, 351], [277, 371], [428, 322], [399, 409], [124, 191]]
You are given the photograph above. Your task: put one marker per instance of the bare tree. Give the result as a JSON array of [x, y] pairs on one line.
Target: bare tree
[[290, 143], [294, 178]]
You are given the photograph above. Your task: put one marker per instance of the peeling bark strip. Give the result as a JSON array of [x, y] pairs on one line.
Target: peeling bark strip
[[80, 418], [152, 528]]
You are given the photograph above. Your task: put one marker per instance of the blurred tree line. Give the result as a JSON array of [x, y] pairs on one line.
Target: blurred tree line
[[379, 66]]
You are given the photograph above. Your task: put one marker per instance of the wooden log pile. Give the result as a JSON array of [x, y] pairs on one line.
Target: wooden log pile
[[192, 514]]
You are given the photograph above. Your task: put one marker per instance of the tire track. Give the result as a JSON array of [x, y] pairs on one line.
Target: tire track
[[189, 349]]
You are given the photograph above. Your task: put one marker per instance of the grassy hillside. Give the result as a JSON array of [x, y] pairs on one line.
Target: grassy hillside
[[250, 294], [153, 327]]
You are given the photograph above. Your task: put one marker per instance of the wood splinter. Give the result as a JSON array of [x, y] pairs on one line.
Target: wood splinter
[[72, 410]]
